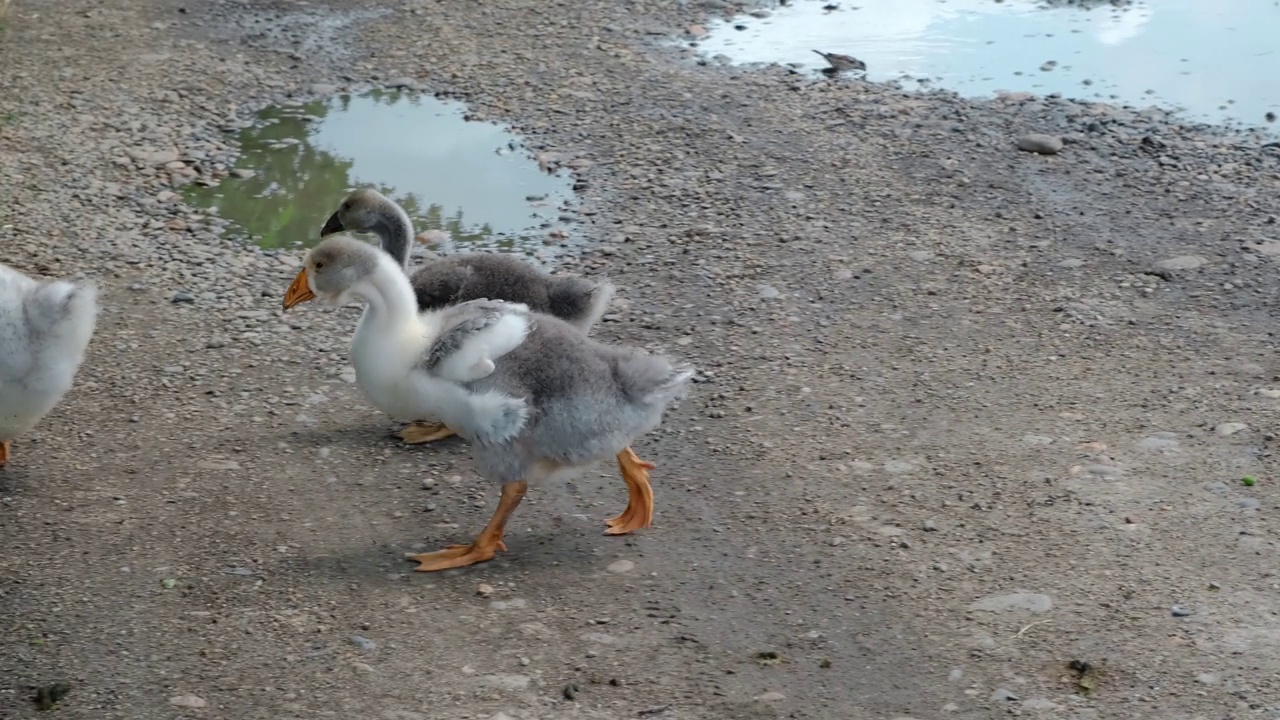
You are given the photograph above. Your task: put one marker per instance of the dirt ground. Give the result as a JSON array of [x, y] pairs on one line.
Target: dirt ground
[[969, 439]]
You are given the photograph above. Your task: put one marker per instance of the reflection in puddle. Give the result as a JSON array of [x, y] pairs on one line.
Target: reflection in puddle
[[1219, 61], [471, 180]]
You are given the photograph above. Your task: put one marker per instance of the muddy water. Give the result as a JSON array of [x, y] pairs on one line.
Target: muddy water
[[1218, 61], [472, 180]]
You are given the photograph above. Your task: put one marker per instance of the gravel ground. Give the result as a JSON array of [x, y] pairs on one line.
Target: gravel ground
[[969, 439]]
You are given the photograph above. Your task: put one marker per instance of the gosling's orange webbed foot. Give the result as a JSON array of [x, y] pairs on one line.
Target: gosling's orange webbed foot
[[639, 512], [487, 544], [4, 452], [424, 432], [456, 556]]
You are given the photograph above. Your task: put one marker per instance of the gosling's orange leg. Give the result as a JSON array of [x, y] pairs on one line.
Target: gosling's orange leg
[[4, 452], [425, 432], [487, 543], [639, 512]]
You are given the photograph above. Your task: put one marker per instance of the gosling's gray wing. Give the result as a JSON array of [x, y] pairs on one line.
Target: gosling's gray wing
[[461, 323], [440, 283]]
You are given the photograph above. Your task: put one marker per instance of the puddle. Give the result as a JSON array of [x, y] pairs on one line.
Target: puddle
[[1217, 61], [471, 180]]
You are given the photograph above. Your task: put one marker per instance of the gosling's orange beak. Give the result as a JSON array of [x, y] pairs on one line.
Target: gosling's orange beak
[[299, 291]]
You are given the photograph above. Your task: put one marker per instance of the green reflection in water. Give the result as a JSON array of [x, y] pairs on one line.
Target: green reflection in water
[[468, 179]]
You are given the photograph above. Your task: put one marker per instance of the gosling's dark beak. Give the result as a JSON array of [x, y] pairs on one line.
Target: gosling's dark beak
[[331, 226]]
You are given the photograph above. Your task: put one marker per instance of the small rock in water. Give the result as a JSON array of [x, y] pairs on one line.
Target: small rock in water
[[1040, 144], [404, 83]]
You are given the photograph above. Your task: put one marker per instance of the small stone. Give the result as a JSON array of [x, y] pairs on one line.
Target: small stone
[[404, 83], [364, 643], [322, 89], [1040, 143], [696, 31], [1031, 602], [243, 173], [188, 701], [182, 296], [1207, 678], [1182, 262], [215, 342], [174, 369], [920, 255], [1161, 441], [506, 682], [1003, 694], [1269, 393], [621, 566], [1039, 703], [771, 696], [512, 604], [898, 467], [1230, 428], [929, 526], [1131, 519], [1179, 611], [484, 590], [1071, 263]]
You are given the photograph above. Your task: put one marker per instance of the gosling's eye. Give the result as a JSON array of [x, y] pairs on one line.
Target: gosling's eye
[[346, 206], [319, 266]]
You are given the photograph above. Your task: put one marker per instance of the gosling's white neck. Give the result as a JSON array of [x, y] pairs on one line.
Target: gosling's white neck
[[390, 300], [390, 340]]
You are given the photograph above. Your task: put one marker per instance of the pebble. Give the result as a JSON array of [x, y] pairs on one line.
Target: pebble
[[512, 604], [1182, 262], [1040, 144], [1003, 694], [621, 566], [1230, 428], [1159, 442], [484, 590], [188, 701], [364, 643], [1179, 611], [1031, 602], [506, 682], [771, 696]]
